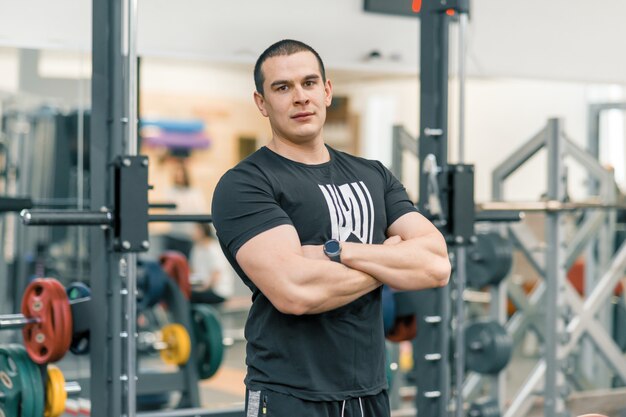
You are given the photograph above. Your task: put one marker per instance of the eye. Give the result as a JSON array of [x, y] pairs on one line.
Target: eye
[[282, 88], [309, 83]]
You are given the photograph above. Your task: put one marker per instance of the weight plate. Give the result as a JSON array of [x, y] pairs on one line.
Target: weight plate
[[10, 384], [28, 400], [178, 344], [403, 329], [64, 310], [389, 309], [151, 284], [56, 396], [488, 347], [77, 290], [48, 340], [489, 260], [390, 367], [484, 407], [80, 340], [32, 382], [208, 334], [176, 266]]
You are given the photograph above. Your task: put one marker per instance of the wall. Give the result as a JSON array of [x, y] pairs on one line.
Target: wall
[[501, 115], [9, 70]]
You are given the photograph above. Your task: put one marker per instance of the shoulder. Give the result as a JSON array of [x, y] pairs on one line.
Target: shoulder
[[346, 158], [251, 171]]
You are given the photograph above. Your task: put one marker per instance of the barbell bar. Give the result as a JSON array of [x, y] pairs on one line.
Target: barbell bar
[[548, 206], [16, 321], [98, 218]]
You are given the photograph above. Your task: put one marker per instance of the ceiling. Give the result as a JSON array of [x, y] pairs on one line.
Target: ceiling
[[570, 40]]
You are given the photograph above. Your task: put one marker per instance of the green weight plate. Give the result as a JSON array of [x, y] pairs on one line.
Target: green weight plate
[[390, 370], [27, 404], [38, 386], [208, 334], [33, 394], [488, 347], [10, 385]]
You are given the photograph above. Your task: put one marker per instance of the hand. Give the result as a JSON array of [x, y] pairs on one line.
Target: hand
[[314, 252], [393, 240]]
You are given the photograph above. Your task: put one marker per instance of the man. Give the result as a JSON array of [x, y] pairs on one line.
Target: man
[[314, 233]]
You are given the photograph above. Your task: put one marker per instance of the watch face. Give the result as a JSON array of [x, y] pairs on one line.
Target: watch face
[[332, 246]]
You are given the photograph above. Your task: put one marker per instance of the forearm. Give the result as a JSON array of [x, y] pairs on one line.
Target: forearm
[[313, 286], [300, 279], [413, 264]]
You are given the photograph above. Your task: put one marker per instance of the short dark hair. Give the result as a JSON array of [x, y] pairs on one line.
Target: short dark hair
[[281, 48]]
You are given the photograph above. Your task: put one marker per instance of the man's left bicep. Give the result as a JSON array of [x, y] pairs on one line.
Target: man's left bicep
[[411, 225]]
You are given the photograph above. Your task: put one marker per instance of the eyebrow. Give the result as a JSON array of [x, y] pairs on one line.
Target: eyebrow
[[307, 78]]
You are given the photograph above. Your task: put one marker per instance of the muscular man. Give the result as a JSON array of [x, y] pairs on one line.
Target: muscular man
[[314, 233]]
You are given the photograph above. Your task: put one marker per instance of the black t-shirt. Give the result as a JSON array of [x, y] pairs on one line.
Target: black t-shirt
[[323, 357]]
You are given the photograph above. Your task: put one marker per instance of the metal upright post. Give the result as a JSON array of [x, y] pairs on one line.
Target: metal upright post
[[431, 346], [555, 384], [461, 248], [107, 128], [130, 317]]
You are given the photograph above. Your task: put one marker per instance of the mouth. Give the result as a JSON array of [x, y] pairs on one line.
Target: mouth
[[302, 115]]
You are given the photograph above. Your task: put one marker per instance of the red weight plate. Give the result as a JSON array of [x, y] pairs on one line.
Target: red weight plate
[[176, 266], [46, 341], [62, 320], [36, 303]]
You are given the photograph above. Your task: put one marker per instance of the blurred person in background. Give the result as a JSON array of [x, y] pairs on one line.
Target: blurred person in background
[[188, 200], [211, 277]]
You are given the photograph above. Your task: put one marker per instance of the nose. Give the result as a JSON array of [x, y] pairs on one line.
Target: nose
[[300, 96]]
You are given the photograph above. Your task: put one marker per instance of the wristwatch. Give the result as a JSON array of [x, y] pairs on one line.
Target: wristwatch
[[332, 249]]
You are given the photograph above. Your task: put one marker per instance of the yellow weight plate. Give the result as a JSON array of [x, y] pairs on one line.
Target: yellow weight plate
[[178, 344], [55, 393]]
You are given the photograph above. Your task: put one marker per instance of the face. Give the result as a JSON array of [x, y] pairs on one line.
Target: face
[[295, 97]]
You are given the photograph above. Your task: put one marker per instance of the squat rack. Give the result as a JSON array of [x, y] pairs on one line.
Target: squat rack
[[119, 205]]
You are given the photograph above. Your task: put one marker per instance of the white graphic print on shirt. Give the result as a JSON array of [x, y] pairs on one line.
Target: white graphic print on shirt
[[351, 211]]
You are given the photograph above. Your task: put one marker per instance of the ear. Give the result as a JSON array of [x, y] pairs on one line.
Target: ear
[[328, 90], [260, 102]]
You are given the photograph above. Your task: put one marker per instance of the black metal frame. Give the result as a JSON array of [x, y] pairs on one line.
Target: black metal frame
[[107, 140], [431, 347]]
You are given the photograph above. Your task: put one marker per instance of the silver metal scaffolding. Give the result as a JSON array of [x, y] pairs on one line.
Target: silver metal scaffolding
[[554, 310]]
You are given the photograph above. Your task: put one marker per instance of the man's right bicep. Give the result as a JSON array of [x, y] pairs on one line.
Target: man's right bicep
[[268, 257]]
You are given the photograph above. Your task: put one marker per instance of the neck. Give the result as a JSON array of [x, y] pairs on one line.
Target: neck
[[310, 153]]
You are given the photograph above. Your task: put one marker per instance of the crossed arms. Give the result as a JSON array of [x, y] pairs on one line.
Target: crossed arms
[[302, 280]]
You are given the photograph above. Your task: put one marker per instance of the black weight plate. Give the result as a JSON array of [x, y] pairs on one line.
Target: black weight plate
[[151, 284], [484, 407], [488, 347], [489, 260], [80, 340]]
